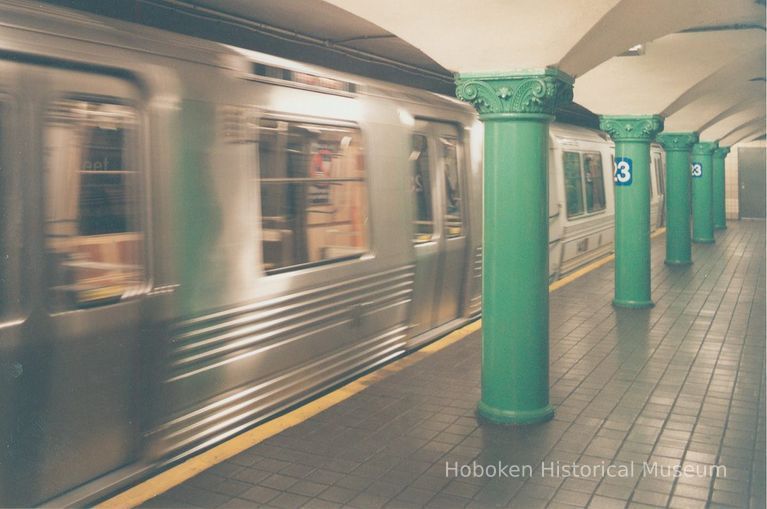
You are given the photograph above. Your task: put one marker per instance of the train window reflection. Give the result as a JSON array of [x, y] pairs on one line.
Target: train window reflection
[[313, 193], [421, 185], [92, 234], [573, 183], [453, 218], [584, 183], [660, 174], [594, 181]]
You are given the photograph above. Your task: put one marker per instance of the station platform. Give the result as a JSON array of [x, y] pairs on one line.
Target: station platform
[[654, 408]]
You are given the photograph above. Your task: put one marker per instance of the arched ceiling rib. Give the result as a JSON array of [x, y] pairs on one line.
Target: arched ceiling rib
[[639, 21], [749, 65], [755, 102], [723, 131], [715, 105], [732, 122], [754, 128], [670, 66]]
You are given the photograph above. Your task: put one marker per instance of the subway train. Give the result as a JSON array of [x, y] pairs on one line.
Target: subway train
[[195, 237]]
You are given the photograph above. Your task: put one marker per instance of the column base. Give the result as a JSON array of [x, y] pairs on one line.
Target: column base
[[678, 263], [633, 304], [500, 416], [704, 241]]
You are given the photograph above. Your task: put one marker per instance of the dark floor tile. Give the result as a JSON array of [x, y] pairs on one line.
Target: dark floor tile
[[600, 502], [317, 503], [650, 498], [288, 501], [686, 503], [198, 497], [232, 487], [251, 475], [307, 488], [337, 494], [729, 498], [278, 482], [367, 501], [445, 501], [691, 491], [260, 494], [238, 503]]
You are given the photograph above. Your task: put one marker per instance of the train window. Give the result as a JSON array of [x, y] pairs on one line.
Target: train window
[[571, 162], [594, 183], [660, 174], [313, 194], [421, 184], [453, 216], [92, 230]]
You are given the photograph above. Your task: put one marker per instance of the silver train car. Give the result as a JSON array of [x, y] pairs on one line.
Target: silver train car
[[581, 202], [195, 237]]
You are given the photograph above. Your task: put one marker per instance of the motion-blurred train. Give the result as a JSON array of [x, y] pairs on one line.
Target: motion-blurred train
[[195, 237]]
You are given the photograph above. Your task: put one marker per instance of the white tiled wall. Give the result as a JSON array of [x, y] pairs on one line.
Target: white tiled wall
[[731, 177]]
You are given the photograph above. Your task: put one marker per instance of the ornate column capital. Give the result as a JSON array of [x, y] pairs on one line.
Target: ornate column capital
[[721, 152], [538, 91], [681, 142], [631, 127], [705, 148]]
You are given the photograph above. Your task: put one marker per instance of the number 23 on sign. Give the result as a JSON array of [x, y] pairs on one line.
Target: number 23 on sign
[[696, 170], [623, 173]]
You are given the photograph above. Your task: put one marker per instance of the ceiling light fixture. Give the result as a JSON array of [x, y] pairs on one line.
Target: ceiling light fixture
[[634, 51]]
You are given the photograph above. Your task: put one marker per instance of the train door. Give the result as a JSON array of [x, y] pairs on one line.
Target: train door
[[452, 261], [555, 208], [76, 413], [439, 234], [425, 233]]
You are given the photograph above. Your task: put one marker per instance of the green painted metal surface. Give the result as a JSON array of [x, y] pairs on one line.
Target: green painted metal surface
[[702, 192], [678, 241], [516, 111], [632, 136], [720, 214]]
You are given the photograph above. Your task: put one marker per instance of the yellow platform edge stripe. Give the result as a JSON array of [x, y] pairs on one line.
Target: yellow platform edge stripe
[[174, 476]]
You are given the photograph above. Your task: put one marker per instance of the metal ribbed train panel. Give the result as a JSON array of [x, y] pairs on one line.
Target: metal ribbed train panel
[[475, 303], [234, 367], [235, 410]]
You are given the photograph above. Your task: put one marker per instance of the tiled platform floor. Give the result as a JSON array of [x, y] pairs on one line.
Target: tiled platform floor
[[682, 383]]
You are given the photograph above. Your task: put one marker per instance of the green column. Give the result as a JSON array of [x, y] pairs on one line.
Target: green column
[[677, 146], [631, 178], [702, 192], [720, 214], [516, 109]]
